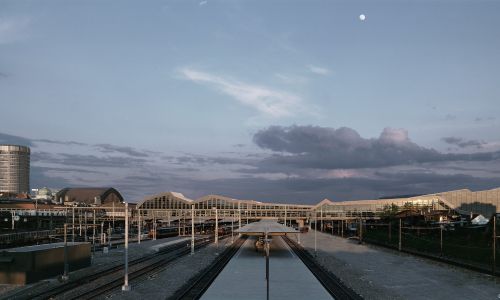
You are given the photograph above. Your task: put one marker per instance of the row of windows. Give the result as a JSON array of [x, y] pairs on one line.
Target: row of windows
[[168, 202]]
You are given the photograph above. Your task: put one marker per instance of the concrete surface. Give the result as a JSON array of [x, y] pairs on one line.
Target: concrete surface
[[244, 276], [100, 261], [165, 283], [379, 273]]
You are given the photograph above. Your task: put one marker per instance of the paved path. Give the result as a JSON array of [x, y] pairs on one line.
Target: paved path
[[379, 273], [244, 276]]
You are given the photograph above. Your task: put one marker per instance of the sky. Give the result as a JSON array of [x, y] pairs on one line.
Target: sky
[[284, 101]]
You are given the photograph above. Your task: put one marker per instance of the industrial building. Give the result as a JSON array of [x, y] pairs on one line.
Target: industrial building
[[464, 202], [89, 196], [14, 169]]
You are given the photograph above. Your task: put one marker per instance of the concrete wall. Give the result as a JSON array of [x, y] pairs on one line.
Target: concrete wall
[[31, 264]]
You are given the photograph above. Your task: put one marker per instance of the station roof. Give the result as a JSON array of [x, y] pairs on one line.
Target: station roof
[[272, 227]]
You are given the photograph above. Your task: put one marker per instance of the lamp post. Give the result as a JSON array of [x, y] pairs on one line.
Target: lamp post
[[73, 225], [192, 229], [125, 286], [138, 226], [285, 215], [93, 236], [216, 227], [266, 246], [66, 267], [315, 233], [239, 216], [86, 226]]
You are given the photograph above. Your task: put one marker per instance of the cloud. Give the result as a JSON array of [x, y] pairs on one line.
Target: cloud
[[107, 148], [318, 70], [203, 3], [13, 29], [301, 164], [484, 119], [290, 79], [460, 142], [450, 117], [271, 102], [15, 140], [60, 142], [328, 148]]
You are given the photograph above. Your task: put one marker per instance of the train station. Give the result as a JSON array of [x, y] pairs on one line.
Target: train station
[[259, 249]]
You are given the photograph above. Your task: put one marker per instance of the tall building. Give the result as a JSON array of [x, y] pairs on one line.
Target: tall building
[[14, 169]]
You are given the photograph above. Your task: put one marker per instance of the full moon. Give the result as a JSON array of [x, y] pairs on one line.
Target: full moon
[[362, 17]]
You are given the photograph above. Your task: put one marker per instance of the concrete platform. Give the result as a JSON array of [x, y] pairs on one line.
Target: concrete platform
[[244, 276], [379, 273]]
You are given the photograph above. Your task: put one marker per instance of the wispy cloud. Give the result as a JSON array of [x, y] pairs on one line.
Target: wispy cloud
[[462, 143], [13, 29], [203, 2], [269, 101], [290, 79], [318, 70]]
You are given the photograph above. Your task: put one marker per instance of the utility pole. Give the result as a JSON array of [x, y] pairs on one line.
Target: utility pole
[[321, 218], [360, 230], [93, 236], [285, 215], [266, 246], [494, 243], [102, 233], [66, 267], [86, 226], [80, 220], [441, 238], [216, 228], [113, 216], [399, 234], [192, 229], [239, 217], [179, 224], [73, 226], [342, 221], [154, 225], [315, 233], [125, 286], [138, 226]]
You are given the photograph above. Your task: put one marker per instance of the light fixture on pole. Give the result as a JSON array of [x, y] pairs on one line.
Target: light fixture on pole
[[125, 286]]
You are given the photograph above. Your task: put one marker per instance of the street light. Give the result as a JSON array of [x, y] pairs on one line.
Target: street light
[[65, 276], [125, 286], [216, 227], [315, 232], [266, 248], [192, 229]]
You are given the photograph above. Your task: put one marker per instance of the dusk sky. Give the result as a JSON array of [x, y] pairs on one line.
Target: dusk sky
[[286, 101]]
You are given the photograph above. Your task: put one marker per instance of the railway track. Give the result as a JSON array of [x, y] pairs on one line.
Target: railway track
[[196, 287], [331, 282], [102, 282]]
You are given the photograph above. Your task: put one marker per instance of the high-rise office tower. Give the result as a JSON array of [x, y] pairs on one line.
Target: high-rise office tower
[[14, 169]]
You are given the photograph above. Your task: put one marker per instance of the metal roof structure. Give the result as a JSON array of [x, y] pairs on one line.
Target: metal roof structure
[[271, 227]]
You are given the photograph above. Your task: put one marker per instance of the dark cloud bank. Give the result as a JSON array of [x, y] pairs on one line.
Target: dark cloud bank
[[343, 148], [290, 168]]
